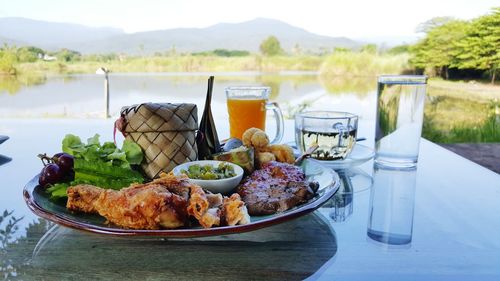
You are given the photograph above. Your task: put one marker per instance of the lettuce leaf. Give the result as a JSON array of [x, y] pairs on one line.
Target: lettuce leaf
[[103, 165], [117, 155], [107, 148], [129, 154], [94, 141], [72, 144], [133, 152]]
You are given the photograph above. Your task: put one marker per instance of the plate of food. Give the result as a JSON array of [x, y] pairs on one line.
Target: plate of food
[[98, 188]]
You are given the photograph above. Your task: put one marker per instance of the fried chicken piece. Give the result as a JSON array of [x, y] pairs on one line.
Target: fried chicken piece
[[210, 218], [166, 202], [141, 206], [234, 210], [179, 185], [198, 203], [83, 197], [137, 207], [205, 207], [282, 152], [146, 207]]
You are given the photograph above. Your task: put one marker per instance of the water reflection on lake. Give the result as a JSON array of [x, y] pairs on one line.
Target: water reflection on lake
[[82, 95]]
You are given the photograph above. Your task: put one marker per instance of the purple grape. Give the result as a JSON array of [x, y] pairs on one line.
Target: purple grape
[[42, 180], [51, 174], [64, 161]]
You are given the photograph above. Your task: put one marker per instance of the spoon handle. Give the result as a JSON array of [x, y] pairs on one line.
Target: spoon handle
[[306, 154]]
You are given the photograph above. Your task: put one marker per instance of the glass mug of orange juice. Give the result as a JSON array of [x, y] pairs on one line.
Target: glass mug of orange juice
[[247, 108]]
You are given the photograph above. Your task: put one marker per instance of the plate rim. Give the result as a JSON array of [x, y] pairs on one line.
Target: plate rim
[[275, 219]]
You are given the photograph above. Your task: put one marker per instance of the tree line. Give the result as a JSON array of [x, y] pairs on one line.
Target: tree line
[[453, 47]]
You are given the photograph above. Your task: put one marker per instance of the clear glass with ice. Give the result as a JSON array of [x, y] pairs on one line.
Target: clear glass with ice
[[400, 112]]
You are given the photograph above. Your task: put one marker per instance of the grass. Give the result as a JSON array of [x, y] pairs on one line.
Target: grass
[[338, 64], [469, 90], [486, 131], [363, 64], [187, 63], [460, 111]]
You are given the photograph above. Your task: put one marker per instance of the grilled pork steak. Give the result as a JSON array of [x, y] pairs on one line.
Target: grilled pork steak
[[275, 188]]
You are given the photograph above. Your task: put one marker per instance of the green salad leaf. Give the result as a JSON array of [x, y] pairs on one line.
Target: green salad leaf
[[94, 140], [105, 165], [133, 152], [58, 190], [72, 144], [129, 154]]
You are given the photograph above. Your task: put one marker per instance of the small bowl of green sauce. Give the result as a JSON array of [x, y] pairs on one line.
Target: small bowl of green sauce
[[215, 176]]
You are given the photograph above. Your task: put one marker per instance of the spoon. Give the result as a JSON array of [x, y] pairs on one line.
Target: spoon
[[306, 154]]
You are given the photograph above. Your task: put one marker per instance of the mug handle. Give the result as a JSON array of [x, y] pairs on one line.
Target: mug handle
[[278, 116]]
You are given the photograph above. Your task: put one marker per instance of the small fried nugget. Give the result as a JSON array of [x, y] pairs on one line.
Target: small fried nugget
[[247, 136], [256, 138], [282, 152], [264, 157], [260, 140]]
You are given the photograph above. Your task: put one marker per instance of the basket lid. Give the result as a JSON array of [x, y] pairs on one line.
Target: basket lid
[[160, 117]]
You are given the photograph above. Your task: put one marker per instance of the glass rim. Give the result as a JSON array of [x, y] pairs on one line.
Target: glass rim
[[403, 78], [310, 114], [248, 88]]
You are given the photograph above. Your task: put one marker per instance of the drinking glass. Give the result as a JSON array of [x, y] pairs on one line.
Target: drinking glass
[[333, 131], [392, 201], [247, 108], [400, 111]]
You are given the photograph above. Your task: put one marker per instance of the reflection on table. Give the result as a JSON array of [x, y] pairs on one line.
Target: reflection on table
[[4, 159], [289, 251], [392, 201], [352, 180]]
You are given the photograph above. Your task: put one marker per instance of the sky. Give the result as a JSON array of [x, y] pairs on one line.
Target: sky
[[350, 18]]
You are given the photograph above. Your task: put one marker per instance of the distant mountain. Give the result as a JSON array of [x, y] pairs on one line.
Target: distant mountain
[[236, 36], [11, 42], [51, 35]]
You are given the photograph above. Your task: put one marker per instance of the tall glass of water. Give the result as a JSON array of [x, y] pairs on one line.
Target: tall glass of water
[[400, 112]]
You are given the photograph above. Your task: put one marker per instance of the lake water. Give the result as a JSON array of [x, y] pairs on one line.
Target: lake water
[[82, 96]]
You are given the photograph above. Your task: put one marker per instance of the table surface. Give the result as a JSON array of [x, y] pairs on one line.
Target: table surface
[[456, 229]]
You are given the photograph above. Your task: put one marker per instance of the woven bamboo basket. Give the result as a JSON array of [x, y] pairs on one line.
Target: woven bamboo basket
[[166, 133]]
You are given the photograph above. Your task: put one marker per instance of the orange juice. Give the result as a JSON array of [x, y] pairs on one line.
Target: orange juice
[[245, 113]]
